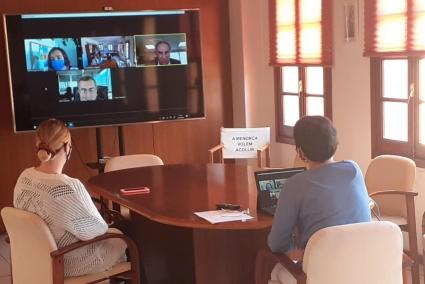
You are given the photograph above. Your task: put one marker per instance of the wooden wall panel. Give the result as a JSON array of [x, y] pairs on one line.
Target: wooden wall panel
[[181, 141], [174, 142]]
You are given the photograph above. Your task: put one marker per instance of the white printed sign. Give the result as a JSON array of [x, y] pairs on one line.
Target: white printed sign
[[243, 142]]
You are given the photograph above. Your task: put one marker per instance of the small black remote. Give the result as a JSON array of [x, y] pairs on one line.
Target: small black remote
[[227, 206]]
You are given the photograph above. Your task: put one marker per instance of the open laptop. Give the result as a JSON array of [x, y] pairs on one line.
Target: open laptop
[[269, 183]]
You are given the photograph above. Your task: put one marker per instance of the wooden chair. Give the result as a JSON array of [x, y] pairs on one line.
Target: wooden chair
[[298, 162], [132, 161], [36, 258], [351, 254], [243, 143], [126, 162], [389, 181]]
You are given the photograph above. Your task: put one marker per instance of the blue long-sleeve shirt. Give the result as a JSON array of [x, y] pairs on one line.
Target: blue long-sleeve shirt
[[333, 194]]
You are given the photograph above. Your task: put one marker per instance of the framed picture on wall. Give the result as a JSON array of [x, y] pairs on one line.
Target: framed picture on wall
[[351, 20]]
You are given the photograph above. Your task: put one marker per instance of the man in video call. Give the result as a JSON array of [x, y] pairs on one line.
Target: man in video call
[[87, 88], [162, 51]]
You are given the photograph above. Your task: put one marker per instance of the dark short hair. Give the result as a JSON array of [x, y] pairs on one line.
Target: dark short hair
[[316, 137], [65, 57], [163, 42], [87, 78]]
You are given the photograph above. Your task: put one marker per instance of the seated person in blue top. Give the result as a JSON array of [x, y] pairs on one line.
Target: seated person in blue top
[[162, 52], [57, 59], [328, 194]]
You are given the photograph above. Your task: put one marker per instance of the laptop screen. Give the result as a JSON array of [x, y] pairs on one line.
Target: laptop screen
[[270, 182]]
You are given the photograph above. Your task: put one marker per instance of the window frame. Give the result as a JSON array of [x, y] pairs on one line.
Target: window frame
[[285, 134], [381, 146]]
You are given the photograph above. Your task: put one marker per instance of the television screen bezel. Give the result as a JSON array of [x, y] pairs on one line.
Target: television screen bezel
[[105, 11]]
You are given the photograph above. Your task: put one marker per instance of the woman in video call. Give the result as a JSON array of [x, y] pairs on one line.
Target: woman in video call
[[65, 205], [58, 60]]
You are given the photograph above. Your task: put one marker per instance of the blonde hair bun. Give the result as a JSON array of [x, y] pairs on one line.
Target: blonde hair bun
[[43, 156]]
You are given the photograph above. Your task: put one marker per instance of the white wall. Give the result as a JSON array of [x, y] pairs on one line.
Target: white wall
[[350, 87]]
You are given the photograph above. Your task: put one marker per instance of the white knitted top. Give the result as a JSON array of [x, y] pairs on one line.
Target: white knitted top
[[66, 207]]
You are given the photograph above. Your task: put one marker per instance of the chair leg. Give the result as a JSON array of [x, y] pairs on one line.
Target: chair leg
[[405, 280], [413, 239], [415, 272], [423, 262]]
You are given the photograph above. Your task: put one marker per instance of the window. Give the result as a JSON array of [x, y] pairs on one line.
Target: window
[[300, 91], [398, 107], [397, 76], [301, 51]]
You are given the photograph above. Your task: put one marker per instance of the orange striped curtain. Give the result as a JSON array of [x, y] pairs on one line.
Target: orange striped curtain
[[394, 27], [300, 32]]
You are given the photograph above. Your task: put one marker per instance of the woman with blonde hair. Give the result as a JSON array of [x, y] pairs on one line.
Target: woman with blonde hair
[[64, 204]]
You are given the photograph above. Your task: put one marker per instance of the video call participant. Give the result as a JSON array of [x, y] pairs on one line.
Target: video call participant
[[58, 60], [110, 62], [65, 205], [96, 58], [328, 194], [68, 94], [87, 88], [162, 52]]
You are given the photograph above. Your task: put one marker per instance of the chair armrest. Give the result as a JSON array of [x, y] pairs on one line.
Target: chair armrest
[[57, 255], [213, 150], [263, 148], [216, 148], [130, 243], [394, 192], [265, 262], [407, 260], [266, 150]]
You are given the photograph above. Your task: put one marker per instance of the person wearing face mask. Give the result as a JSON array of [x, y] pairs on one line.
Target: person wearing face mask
[[57, 60], [65, 205]]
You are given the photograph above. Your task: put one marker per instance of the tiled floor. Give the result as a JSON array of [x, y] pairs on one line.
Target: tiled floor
[[5, 277], [4, 261]]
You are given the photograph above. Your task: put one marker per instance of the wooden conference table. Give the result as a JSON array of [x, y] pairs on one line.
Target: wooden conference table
[[175, 245]]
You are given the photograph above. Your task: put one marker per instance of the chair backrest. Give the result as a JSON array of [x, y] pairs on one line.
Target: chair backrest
[[389, 172], [355, 253], [243, 142], [31, 244], [132, 161], [298, 162]]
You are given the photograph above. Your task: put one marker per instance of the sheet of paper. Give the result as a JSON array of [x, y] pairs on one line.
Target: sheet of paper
[[219, 216]]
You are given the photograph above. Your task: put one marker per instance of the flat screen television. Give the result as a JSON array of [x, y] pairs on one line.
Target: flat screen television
[[106, 68]]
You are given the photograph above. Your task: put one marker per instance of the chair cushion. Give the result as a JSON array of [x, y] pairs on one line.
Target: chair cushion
[[368, 252], [119, 268]]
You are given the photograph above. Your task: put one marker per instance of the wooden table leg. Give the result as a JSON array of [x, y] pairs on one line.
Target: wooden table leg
[[227, 257], [166, 251]]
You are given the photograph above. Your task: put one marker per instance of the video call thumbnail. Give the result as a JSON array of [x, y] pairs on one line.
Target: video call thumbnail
[[161, 49], [85, 85], [108, 52], [51, 54], [272, 186]]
